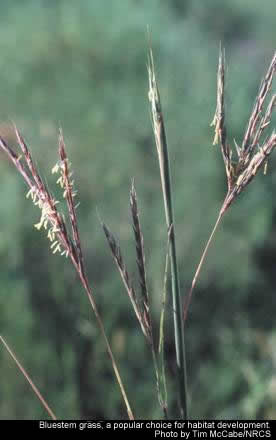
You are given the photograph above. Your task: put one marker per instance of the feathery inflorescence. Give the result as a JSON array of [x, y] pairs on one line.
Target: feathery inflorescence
[[253, 152], [242, 165], [50, 219], [53, 221]]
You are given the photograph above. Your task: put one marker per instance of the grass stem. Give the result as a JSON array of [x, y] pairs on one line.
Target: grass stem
[[29, 380], [189, 296], [163, 156]]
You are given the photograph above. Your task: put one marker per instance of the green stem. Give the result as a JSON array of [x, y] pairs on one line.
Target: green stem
[[163, 156], [29, 380], [204, 253], [177, 303]]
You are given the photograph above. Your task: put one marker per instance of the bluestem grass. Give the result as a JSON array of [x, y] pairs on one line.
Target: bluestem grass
[[164, 165], [140, 303], [118, 258], [159, 366], [251, 156], [241, 166], [140, 261], [140, 252], [29, 380], [53, 221]]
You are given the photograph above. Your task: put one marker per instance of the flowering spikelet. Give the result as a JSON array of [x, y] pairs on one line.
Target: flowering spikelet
[[50, 218], [54, 221]]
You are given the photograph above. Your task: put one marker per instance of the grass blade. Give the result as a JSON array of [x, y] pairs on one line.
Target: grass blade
[[163, 156], [29, 380]]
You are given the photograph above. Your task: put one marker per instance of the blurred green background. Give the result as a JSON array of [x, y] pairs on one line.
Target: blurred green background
[[82, 65]]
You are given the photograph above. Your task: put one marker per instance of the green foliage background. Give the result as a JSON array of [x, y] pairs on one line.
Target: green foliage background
[[82, 65]]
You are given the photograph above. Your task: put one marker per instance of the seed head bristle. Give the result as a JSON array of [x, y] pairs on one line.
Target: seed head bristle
[[118, 258], [139, 241], [140, 260]]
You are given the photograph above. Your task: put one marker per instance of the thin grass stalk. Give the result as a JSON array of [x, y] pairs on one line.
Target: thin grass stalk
[[160, 382], [163, 382], [203, 256], [29, 380], [164, 297], [163, 156], [109, 350]]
